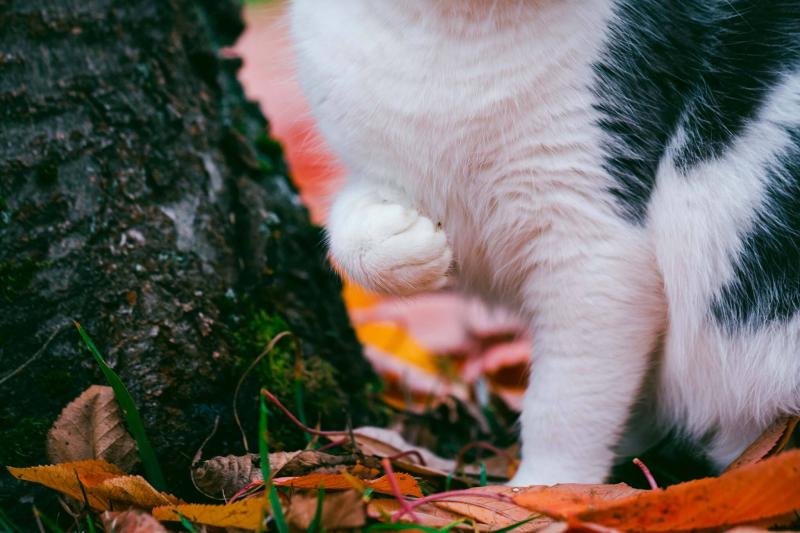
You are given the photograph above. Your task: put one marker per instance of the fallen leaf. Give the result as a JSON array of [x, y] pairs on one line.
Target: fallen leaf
[[131, 490], [569, 498], [427, 514], [304, 462], [64, 478], [748, 494], [131, 522], [340, 510], [244, 514], [91, 427], [105, 485], [772, 441], [408, 485], [383, 442], [495, 514]]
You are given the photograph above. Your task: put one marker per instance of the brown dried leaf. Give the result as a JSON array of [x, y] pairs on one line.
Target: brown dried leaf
[[131, 522], [91, 427], [340, 510], [427, 514], [244, 514], [305, 462], [224, 476], [772, 441], [495, 514], [383, 442]]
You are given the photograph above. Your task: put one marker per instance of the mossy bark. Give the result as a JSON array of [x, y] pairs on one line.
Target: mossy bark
[[141, 195]]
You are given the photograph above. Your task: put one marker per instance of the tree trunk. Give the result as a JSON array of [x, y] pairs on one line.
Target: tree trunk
[[141, 195]]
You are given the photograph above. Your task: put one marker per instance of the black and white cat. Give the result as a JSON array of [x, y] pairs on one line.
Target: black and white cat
[[625, 173]]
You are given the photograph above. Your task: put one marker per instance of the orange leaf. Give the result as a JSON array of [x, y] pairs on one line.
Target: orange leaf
[[103, 482], [772, 441], [64, 478], [745, 495], [243, 514], [408, 485]]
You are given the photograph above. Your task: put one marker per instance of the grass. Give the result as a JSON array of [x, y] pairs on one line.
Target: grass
[[131, 413], [263, 449]]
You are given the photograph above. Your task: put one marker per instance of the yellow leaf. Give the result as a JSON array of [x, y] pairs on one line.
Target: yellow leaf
[[104, 484], [64, 478], [356, 297], [396, 341], [244, 514]]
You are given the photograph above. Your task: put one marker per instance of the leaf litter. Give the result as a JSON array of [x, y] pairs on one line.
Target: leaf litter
[[379, 476]]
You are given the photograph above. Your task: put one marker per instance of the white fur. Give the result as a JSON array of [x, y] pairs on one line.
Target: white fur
[[474, 120]]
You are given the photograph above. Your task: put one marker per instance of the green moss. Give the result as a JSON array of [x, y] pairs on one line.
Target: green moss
[[281, 369], [22, 440], [17, 275]]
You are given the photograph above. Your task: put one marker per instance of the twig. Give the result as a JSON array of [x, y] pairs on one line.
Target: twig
[[481, 445], [415, 453], [271, 397], [196, 459], [35, 356], [398, 494], [260, 356], [646, 471], [449, 495]]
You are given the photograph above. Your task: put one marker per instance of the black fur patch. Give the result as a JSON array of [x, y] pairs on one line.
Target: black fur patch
[[701, 65], [766, 284]]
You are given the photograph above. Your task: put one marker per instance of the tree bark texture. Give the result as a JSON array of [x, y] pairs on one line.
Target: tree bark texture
[[141, 195]]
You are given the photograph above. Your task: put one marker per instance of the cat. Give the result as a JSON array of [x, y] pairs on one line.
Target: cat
[[623, 173]]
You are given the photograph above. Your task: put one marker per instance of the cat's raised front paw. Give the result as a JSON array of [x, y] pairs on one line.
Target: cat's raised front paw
[[390, 248]]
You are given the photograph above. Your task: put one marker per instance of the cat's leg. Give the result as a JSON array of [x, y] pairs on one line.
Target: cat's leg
[[597, 317], [384, 243]]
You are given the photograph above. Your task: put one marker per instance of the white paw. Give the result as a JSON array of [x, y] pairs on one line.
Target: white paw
[[390, 248]]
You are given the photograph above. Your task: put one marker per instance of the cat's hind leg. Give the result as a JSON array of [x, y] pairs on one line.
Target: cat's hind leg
[[385, 244]]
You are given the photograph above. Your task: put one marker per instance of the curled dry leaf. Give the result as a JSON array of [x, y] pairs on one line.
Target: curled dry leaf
[[131, 522], [340, 510], [91, 427], [383, 442], [224, 476], [408, 485], [772, 441], [746, 495], [105, 485], [244, 514]]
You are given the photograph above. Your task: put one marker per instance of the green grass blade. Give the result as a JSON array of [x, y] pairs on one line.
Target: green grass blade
[[6, 524], [315, 523], [47, 521], [186, 524], [90, 523], [148, 455], [515, 526], [263, 448], [484, 479]]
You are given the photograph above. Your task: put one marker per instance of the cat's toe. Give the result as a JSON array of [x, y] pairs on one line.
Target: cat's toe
[[395, 250]]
